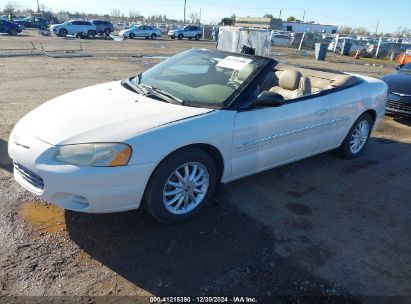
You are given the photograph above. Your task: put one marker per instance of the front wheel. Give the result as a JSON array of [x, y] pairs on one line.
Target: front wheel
[[13, 32], [181, 186], [180, 36], [63, 32], [357, 138], [107, 31], [131, 36]]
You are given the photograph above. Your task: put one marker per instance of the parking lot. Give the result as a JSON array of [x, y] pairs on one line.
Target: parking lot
[[321, 226]]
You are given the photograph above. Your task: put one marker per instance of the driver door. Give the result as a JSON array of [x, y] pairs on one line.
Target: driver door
[[271, 136]]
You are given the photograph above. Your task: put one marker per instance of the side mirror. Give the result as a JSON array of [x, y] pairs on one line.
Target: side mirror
[[268, 99], [399, 67]]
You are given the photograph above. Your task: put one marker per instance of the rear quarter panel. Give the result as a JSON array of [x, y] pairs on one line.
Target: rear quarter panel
[[348, 104]]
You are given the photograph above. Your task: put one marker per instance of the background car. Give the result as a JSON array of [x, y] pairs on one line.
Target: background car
[[280, 39], [75, 27], [9, 27], [33, 22], [163, 28], [103, 26], [146, 31], [399, 96], [188, 31]]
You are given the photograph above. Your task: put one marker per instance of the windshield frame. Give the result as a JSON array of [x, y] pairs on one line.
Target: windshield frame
[[237, 93]]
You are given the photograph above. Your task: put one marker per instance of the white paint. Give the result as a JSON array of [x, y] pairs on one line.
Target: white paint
[[249, 141]]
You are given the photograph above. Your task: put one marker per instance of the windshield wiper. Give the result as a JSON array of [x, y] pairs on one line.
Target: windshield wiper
[[164, 95], [135, 87]]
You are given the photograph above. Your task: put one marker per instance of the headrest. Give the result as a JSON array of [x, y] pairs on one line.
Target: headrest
[[245, 72], [290, 79], [343, 80], [305, 85]]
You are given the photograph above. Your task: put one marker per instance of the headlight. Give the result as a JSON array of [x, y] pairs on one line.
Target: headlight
[[393, 97], [95, 155]]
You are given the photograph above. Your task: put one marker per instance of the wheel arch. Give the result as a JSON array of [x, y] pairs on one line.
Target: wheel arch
[[372, 113], [210, 149]]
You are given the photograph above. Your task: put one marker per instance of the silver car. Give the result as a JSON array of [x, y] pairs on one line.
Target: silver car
[[146, 31], [188, 31]]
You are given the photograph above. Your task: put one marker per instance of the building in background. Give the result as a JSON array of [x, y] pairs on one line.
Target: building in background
[[259, 23], [309, 27]]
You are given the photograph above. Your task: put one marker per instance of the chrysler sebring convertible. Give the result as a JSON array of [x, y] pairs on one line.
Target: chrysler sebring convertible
[[165, 138]]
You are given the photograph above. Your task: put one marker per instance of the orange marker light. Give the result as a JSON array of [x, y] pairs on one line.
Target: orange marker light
[[121, 158]]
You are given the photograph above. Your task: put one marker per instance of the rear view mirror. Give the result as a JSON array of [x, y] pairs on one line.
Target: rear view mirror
[[268, 99]]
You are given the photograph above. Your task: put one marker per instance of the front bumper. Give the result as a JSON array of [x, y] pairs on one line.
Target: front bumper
[[78, 188]]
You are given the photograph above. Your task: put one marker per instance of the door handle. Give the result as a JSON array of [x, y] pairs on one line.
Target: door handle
[[321, 111]]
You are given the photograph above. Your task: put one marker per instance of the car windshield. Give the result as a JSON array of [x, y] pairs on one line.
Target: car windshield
[[202, 78]]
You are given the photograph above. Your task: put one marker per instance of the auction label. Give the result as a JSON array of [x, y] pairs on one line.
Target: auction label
[[234, 63]]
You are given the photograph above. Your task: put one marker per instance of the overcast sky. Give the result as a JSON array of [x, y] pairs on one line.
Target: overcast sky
[[392, 14]]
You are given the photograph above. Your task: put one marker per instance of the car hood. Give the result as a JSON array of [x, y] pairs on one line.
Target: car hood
[[102, 113], [399, 82]]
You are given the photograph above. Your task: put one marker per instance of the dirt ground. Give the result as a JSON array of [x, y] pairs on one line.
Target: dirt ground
[[321, 226]]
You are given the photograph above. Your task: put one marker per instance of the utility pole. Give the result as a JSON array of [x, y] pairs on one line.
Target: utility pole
[[199, 20], [185, 4], [281, 11], [376, 29], [38, 7], [304, 15]]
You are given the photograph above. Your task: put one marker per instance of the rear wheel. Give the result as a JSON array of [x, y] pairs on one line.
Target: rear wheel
[[91, 34], [180, 36], [63, 32], [131, 36], [13, 32], [357, 138], [153, 36], [107, 31], [197, 37], [181, 186]]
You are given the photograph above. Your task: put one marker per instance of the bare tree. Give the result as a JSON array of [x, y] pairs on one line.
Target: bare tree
[[345, 30], [194, 17], [115, 12], [359, 31], [10, 7], [134, 13]]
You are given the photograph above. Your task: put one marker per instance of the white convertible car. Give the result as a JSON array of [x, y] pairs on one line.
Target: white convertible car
[[165, 138]]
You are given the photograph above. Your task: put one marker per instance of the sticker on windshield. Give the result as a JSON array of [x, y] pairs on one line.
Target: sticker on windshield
[[234, 63]]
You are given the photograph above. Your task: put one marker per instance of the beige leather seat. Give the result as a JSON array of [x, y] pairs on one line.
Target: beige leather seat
[[290, 85]]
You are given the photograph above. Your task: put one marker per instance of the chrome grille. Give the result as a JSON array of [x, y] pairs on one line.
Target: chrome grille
[[29, 176], [398, 105]]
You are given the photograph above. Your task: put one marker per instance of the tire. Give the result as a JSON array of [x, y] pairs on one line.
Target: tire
[[42, 27], [197, 37], [131, 36], [153, 36], [155, 198], [107, 31], [173, 37], [13, 32], [180, 36], [91, 34], [63, 32], [348, 148]]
